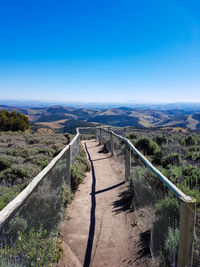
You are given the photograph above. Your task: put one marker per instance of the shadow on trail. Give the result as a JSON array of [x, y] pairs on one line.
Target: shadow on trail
[[102, 158], [144, 249], [124, 203], [88, 253], [104, 150], [110, 188]]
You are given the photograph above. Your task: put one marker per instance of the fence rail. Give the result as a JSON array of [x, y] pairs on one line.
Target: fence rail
[[175, 230], [164, 212], [29, 224]]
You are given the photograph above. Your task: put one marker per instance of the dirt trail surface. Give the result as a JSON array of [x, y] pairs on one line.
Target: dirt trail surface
[[101, 229]]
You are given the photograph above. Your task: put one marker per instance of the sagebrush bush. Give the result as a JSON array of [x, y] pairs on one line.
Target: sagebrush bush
[[147, 146], [34, 248], [191, 141], [161, 139], [192, 176], [170, 250], [77, 176], [8, 193], [5, 162], [168, 210], [191, 192], [173, 158], [67, 196], [79, 168]]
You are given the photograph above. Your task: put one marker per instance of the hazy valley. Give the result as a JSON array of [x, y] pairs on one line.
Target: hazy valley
[[65, 119]]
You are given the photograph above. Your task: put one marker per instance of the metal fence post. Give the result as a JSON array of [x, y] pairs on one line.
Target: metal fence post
[[127, 162], [111, 144], [186, 232]]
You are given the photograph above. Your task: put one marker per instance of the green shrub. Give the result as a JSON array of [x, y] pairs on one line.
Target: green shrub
[[193, 148], [5, 162], [191, 141], [161, 139], [147, 146], [170, 250], [191, 192], [173, 158], [39, 160], [19, 172], [158, 158], [7, 194], [34, 248], [67, 196], [131, 136], [172, 172], [13, 121], [168, 211], [77, 176], [191, 175]]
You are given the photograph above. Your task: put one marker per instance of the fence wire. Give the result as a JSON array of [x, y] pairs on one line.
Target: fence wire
[[29, 236], [157, 208], [106, 138], [157, 211], [196, 254], [88, 133], [74, 148]]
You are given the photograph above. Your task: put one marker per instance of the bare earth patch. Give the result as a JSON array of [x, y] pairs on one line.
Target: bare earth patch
[[101, 230]]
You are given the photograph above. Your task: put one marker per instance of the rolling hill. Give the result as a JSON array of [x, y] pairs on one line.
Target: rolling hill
[[61, 118]]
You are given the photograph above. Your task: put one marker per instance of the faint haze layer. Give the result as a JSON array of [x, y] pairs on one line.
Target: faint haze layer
[[100, 51]]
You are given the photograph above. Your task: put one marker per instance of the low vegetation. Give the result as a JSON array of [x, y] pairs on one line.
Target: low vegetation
[[13, 121], [22, 157], [177, 156], [79, 168], [32, 232]]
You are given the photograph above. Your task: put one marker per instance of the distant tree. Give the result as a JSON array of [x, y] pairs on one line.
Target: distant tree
[[13, 121]]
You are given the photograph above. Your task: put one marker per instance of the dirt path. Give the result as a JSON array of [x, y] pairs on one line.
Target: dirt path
[[101, 230]]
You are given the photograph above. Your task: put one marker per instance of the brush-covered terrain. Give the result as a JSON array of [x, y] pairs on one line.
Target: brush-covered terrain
[[176, 155], [65, 119], [22, 157]]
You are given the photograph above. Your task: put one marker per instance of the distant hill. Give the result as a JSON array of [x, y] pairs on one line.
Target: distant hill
[[116, 120], [60, 118], [71, 125]]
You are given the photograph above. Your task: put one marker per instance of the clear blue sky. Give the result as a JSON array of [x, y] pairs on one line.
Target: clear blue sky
[[100, 50]]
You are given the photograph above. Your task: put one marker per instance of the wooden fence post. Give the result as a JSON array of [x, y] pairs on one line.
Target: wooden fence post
[[100, 138], [97, 134], [69, 165], [186, 232], [127, 162], [111, 144]]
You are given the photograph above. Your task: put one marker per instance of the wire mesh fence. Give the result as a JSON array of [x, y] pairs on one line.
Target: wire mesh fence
[[88, 133], [28, 236], [74, 148], [165, 216], [106, 139], [157, 211], [196, 254]]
